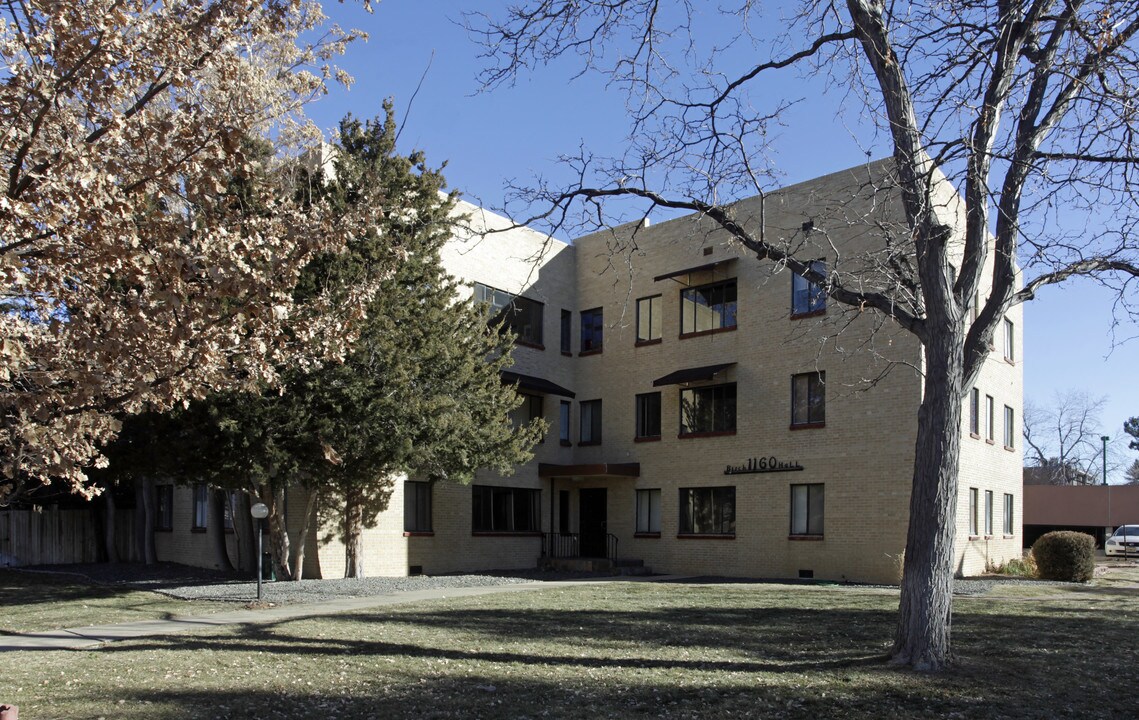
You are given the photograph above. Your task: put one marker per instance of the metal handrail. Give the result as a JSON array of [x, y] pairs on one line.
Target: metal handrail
[[568, 545]]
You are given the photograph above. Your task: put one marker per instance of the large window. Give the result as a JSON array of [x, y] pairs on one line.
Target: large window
[[975, 413], [708, 410], [589, 432], [649, 319], [416, 506], [1008, 515], [648, 511], [707, 308], [648, 416], [164, 495], [592, 329], [522, 315], [990, 418], [529, 410], [807, 509], [567, 322], [1010, 434], [201, 506], [1009, 338], [504, 509], [708, 511], [973, 511], [988, 512], [808, 398], [564, 422], [808, 297]]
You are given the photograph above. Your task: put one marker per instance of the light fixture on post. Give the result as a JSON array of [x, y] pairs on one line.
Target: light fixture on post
[[1105, 438], [259, 511]]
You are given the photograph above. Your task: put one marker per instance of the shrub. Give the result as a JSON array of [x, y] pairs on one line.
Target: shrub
[[1065, 555], [1019, 567]]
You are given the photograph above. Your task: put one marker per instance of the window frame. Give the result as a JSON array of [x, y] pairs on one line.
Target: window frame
[[417, 498], [591, 411], [990, 419], [974, 500], [565, 417], [644, 416], [486, 510], [816, 297], [988, 513], [975, 412], [199, 507], [811, 527], [647, 520], [1010, 428], [722, 389], [819, 385], [655, 331], [512, 314], [592, 331], [1009, 333], [722, 315], [164, 508], [566, 331], [1008, 515], [718, 497]]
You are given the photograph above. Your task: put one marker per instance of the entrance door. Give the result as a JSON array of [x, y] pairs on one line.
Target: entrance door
[[592, 522]]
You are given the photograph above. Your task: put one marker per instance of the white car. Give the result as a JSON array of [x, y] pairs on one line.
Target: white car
[[1124, 541]]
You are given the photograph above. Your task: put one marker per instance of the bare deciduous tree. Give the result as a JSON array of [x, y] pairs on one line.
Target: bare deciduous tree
[[1027, 109], [1065, 439]]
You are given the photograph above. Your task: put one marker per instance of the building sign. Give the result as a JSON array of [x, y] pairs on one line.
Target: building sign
[[762, 465]]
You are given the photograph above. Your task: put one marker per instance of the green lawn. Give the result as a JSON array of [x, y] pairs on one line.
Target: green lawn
[[617, 650]]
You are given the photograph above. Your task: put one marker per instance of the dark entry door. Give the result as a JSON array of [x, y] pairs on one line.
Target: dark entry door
[[592, 522]]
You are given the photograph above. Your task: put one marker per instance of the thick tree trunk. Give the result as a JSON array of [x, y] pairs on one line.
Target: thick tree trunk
[[278, 534], [302, 535], [353, 533], [243, 530], [215, 524], [144, 520], [925, 611], [110, 550]]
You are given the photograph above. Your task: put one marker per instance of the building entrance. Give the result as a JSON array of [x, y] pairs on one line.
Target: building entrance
[[592, 521]]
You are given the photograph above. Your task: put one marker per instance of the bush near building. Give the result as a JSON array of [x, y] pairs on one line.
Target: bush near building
[[1065, 555]]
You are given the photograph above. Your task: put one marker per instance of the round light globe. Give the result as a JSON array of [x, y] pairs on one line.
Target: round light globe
[[259, 511]]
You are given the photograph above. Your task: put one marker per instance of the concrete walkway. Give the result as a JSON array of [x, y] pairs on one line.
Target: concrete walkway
[[92, 636]]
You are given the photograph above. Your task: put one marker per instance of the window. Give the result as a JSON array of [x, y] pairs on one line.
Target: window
[[201, 506], [988, 512], [990, 418], [1009, 339], [417, 507], [975, 412], [807, 509], [164, 496], [529, 410], [973, 511], [1009, 433], [564, 422], [567, 321], [648, 415], [1008, 514], [592, 327], [708, 511], [649, 319], [522, 315], [590, 429], [808, 297], [504, 509], [648, 511], [228, 509], [808, 398], [708, 308], [708, 410]]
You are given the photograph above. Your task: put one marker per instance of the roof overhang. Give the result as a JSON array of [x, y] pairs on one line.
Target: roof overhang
[[628, 470], [696, 374], [535, 384], [692, 270]]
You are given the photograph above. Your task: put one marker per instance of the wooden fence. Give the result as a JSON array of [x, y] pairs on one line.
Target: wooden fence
[[54, 536]]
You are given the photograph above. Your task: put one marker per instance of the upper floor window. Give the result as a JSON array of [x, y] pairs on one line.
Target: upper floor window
[[590, 431], [808, 297], [529, 410], [808, 398], [567, 321], [564, 422], [708, 308], [648, 415], [990, 418], [592, 329], [975, 412], [522, 315], [708, 410], [1009, 340], [1010, 432], [649, 319]]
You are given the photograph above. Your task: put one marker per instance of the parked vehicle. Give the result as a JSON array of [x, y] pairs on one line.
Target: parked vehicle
[[1124, 541]]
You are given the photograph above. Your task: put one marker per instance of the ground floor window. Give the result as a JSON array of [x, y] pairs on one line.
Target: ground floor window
[[505, 509], [1008, 514], [164, 495], [988, 512], [648, 511], [417, 506], [708, 511], [807, 509], [201, 506], [973, 511]]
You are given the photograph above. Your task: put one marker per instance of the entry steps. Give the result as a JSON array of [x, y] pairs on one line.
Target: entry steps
[[620, 566]]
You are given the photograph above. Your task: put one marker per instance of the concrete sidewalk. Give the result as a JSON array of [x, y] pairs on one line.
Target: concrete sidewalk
[[92, 636]]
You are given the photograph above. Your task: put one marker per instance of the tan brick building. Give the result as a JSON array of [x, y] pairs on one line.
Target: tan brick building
[[708, 413]]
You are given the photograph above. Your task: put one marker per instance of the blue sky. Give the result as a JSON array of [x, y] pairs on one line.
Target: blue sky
[[518, 132]]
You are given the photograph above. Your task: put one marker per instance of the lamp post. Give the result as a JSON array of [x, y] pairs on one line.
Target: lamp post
[[259, 511], [1105, 438]]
